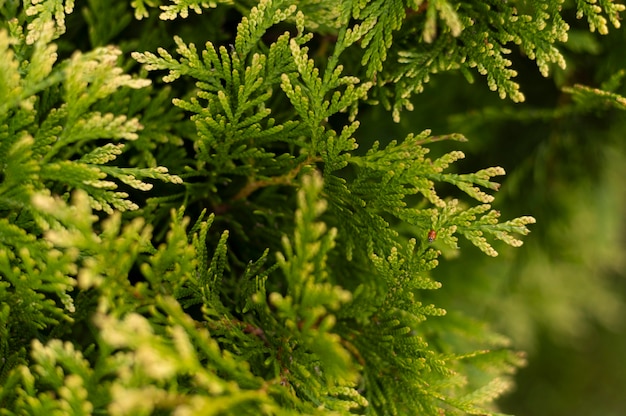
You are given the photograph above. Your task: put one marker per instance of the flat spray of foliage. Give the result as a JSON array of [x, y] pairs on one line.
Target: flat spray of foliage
[[220, 245]]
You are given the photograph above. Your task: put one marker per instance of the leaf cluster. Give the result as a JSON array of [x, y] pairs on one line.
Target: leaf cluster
[[288, 271]]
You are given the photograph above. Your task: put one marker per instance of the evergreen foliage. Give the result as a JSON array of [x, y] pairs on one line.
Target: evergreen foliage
[[279, 269]]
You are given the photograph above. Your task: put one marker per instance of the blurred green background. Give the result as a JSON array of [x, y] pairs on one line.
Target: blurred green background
[[562, 296]]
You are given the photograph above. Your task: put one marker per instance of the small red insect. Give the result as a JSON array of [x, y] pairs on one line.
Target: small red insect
[[432, 234]]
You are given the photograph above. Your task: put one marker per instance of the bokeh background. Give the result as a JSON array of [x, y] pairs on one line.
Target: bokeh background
[[561, 297]]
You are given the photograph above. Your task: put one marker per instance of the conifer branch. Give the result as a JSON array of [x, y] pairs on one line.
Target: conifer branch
[[287, 179], [313, 296]]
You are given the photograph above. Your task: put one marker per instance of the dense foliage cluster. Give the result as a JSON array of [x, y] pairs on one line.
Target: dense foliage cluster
[[188, 224]]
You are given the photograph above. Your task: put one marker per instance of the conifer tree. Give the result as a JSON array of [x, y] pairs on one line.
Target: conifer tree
[[190, 225]]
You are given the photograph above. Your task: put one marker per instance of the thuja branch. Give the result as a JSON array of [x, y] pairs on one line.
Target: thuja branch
[[286, 179], [432, 139]]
